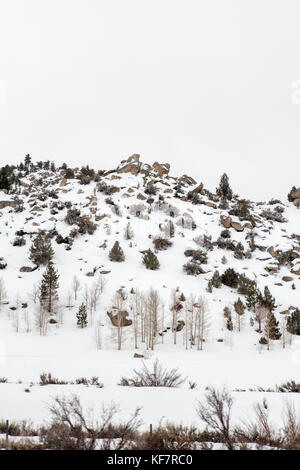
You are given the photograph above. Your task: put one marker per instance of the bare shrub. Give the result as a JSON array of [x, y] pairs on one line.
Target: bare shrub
[[216, 413], [73, 429], [157, 377]]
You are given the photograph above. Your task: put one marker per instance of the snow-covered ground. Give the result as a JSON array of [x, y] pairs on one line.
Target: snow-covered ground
[[238, 361]]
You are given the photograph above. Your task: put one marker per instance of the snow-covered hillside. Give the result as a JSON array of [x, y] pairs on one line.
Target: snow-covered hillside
[[159, 207]]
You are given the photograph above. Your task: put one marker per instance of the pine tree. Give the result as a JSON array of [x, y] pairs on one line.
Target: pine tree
[[267, 300], [239, 251], [27, 161], [271, 328], [290, 199], [116, 253], [128, 232], [150, 260], [4, 181], [82, 317], [49, 287], [224, 190], [41, 251], [216, 280], [293, 323], [252, 296]]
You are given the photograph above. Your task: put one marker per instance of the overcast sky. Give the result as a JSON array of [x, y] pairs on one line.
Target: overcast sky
[[205, 85]]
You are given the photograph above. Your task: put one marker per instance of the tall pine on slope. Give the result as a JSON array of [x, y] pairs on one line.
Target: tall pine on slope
[[267, 300], [271, 328], [293, 322], [41, 251], [224, 190], [49, 287], [82, 317]]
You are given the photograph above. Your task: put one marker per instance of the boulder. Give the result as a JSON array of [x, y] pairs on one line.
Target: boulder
[[4, 204], [296, 194], [296, 202], [185, 179], [237, 226], [26, 269], [226, 221], [161, 168], [287, 278], [199, 189], [122, 321]]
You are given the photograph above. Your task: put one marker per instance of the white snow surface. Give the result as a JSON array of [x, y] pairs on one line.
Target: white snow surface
[[238, 362]]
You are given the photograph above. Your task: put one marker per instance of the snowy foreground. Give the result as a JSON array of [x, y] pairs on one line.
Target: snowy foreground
[[234, 367]]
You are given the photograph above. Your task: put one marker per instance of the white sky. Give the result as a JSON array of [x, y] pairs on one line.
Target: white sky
[[205, 85]]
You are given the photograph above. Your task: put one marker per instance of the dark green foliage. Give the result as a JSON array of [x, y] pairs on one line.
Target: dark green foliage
[[216, 280], [253, 295], [162, 243], [289, 196], [293, 323], [239, 251], [19, 241], [230, 278], [116, 253], [224, 190], [150, 260], [196, 255], [225, 234], [193, 268], [69, 173], [151, 190], [41, 251], [267, 300], [271, 329], [245, 285], [86, 225], [72, 216], [82, 317], [49, 287], [4, 181]]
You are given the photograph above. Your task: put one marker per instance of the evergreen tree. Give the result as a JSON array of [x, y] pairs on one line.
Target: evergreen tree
[[216, 280], [27, 161], [82, 317], [150, 260], [271, 328], [41, 251], [52, 167], [4, 180], [290, 199], [293, 323], [267, 300], [239, 251], [49, 287], [224, 190], [230, 278], [253, 296], [116, 253]]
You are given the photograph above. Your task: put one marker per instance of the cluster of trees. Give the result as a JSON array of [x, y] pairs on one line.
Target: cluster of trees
[[147, 310]]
